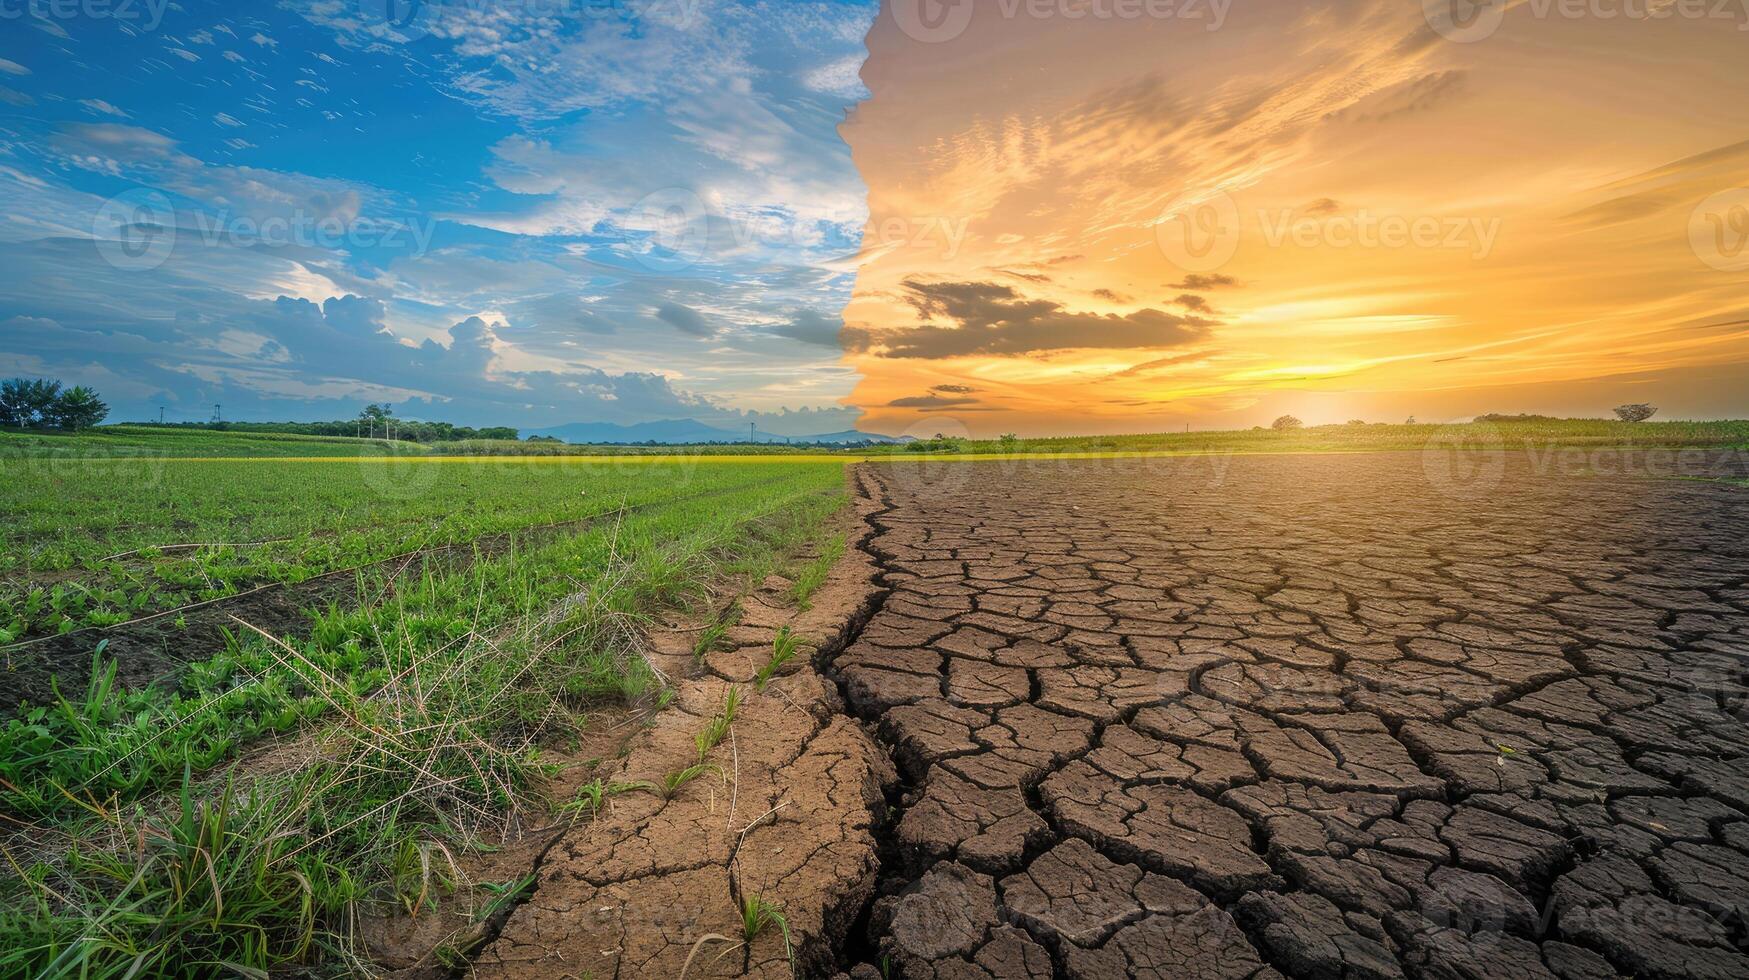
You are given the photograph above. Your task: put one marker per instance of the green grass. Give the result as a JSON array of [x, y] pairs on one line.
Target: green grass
[[101, 542], [813, 573], [424, 715]]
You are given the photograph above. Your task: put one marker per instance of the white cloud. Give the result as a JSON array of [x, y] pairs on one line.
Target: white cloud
[[103, 108], [838, 78]]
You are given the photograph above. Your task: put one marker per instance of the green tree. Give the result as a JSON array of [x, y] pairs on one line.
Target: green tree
[[1286, 423], [1636, 413], [27, 401], [75, 409]]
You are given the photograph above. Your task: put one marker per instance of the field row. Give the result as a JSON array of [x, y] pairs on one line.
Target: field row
[[75, 552]]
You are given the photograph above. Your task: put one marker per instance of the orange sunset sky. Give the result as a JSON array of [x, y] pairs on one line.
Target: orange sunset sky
[[1087, 218]]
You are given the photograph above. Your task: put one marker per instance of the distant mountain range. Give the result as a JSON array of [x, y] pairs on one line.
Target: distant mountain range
[[683, 431]]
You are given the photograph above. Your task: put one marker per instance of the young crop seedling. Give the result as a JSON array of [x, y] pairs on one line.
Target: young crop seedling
[[757, 914], [708, 640], [814, 573], [593, 795], [674, 781], [717, 727], [783, 648]]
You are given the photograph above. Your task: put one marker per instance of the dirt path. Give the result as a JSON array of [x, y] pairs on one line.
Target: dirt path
[[786, 813], [1338, 716]]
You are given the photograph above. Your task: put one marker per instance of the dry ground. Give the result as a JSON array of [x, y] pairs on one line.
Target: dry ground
[[1313, 716]]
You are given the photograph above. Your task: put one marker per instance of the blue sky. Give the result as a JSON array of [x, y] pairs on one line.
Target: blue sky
[[484, 211]]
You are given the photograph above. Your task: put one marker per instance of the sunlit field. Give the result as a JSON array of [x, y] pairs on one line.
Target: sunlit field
[[429, 629]]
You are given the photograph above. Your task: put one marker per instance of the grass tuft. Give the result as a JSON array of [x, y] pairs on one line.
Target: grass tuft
[[717, 727], [783, 649]]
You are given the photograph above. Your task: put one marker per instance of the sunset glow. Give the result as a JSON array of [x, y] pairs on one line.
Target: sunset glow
[[1381, 221]]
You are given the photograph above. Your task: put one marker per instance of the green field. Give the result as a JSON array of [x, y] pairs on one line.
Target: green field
[[475, 613]]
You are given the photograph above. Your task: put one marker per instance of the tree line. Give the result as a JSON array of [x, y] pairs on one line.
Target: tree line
[[41, 403], [375, 421]]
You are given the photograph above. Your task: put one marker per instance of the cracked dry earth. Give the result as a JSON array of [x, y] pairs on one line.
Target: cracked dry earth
[[1305, 716]]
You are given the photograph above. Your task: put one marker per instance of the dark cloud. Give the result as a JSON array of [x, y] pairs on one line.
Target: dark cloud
[[1203, 283], [1148, 367], [1321, 207], [811, 327], [1194, 303], [1111, 296], [993, 319], [953, 389], [1037, 277], [685, 319], [931, 401]]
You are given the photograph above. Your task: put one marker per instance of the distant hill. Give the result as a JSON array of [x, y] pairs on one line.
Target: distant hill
[[682, 431]]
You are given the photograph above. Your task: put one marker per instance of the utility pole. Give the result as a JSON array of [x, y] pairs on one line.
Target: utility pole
[[750, 432]]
